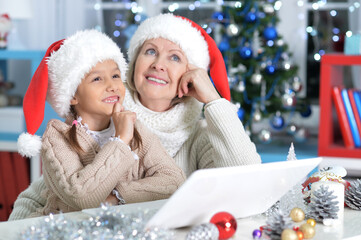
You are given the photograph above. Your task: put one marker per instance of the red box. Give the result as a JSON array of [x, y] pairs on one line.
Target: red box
[[330, 142]]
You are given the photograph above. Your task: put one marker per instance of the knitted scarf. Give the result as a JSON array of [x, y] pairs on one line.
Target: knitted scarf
[[173, 127]]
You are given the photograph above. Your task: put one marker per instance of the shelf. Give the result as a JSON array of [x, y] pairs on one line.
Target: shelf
[[329, 143]]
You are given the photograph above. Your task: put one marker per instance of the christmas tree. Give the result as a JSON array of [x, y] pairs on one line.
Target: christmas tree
[[262, 77]]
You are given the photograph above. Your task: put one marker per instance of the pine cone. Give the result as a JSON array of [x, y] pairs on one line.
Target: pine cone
[[353, 195], [206, 231], [322, 205], [276, 223]]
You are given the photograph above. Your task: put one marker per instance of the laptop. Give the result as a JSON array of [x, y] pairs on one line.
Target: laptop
[[242, 191]]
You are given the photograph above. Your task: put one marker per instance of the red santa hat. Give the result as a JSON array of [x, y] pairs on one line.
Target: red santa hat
[[198, 46], [58, 76], [5, 15]]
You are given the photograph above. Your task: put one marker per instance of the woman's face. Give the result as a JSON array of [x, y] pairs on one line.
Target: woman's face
[[157, 72]]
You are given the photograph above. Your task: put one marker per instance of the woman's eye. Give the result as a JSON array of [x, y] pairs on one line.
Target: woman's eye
[[175, 58], [150, 51]]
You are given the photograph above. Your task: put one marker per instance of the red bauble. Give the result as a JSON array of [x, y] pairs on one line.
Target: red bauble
[[226, 224]]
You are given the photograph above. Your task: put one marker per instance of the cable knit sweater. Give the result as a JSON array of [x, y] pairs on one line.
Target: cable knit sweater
[[77, 181], [218, 140]]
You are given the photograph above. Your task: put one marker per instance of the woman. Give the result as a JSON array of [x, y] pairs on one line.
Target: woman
[[168, 86]]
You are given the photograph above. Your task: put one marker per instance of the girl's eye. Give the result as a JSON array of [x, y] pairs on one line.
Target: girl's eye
[[175, 58], [116, 76], [150, 51], [96, 79]]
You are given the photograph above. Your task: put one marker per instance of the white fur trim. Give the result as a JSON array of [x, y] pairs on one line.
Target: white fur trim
[[177, 30], [29, 145], [74, 59]]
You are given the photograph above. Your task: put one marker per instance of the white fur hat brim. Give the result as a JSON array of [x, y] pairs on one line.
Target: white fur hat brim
[[175, 29], [73, 60]]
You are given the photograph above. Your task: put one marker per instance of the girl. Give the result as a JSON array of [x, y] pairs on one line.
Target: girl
[[100, 148]]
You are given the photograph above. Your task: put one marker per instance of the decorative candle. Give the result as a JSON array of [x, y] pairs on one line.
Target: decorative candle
[[338, 191]]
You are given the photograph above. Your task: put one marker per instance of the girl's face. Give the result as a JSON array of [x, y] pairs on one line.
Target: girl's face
[[99, 90], [157, 72]]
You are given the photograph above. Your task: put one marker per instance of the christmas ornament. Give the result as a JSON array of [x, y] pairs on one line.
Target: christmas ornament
[[286, 65], [292, 199], [257, 115], [257, 234], [226, 224], [291, 129], [323, 205], [251, 17], [291, 153], [307, 230], [311, 221], [224, 45], [299, 235], [270, 69], [289, 99], [240, 87], [353, 195], [232, 30], [306, 111], [264, 136], [5, 27], [256, 78], [109, 223], [297, 215], [276, 223], [296, 84], [268, 8], [245, 52], [240, 113], [280, 42], [218, 16], [289, 234], [270, 33], [301, 135], [206, 231], [277, 121]]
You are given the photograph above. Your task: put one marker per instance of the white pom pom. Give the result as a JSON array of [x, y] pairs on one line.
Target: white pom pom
[[29, 145]]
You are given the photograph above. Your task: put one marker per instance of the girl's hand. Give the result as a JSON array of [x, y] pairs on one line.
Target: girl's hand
[[124, 123], [196, 83], [112, 200]]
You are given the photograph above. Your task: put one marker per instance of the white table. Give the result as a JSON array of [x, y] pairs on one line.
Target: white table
[[349, 230]]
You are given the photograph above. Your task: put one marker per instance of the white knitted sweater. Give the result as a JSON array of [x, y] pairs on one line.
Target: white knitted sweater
[[218, 140]]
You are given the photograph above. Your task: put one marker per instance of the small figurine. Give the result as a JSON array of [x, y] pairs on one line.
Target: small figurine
[[5, 27]]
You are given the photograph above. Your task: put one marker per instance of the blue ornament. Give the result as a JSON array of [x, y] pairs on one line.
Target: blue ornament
[[306, 112], [251, 17], [245, 52], [224, 45], [270, 33], [270, 69], [277, 122], [240, 113], [218, 16]]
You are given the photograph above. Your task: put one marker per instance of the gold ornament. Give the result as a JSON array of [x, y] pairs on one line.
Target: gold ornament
[[312, 222], [308, 231], [297, 214], [289, 234]]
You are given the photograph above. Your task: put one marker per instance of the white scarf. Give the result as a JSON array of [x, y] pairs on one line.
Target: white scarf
[[173, 127]]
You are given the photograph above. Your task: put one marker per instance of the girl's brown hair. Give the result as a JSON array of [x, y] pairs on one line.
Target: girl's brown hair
[[73, 139]]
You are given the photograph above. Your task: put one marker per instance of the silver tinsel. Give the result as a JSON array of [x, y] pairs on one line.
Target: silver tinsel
[[107, 224], [206, 231], [353, 195], [276, 223], [323, 205]]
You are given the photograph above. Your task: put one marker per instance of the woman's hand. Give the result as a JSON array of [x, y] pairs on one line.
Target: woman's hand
[[124, 123], [196, 83]]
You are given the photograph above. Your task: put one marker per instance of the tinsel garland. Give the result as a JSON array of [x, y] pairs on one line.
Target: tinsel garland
[[109, 223]]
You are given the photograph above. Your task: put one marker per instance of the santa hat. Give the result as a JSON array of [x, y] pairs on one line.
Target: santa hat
[[56, 80], [5, 15], [198, 46]]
